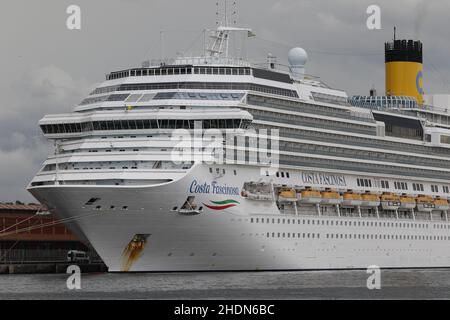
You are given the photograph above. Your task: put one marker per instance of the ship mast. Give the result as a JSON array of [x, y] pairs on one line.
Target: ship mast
[[221, 36]]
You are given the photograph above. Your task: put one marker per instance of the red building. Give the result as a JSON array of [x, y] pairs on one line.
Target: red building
[[28, 234]]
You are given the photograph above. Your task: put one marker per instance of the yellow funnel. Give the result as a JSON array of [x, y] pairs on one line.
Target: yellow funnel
[[404, 71]]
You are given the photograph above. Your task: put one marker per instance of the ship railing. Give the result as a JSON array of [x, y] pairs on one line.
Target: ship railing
[[200, 61]]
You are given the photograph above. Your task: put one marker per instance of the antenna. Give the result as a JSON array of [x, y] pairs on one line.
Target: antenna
[[161, 40], [226, 13], [221, 35], [217, 13], [234, 12], [395, 29]]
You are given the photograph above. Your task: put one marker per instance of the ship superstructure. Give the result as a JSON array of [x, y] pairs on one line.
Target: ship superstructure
[[359, 181]]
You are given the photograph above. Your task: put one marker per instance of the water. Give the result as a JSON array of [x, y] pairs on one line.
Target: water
[[395, 284]]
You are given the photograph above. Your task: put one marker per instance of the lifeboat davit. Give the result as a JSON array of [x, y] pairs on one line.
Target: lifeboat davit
[[351, 199], [257, 191], [390, 201], [287, 195], [331, 197], [370, 200], [407, 202], [441, 204], [425, 203], [310, 196]]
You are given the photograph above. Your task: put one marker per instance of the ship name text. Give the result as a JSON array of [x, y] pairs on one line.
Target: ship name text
[[323, 179], [213, 188]]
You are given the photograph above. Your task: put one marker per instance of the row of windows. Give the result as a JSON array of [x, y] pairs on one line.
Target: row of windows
[[307, 121], [419, 187], [280, 174], [384, 184], [355, 153], [141, 124], [191, 85], [361, 167], [344, 165], [113, 165], [165, 96], [111, 208], [314, 135], [385, 236], [296, 106], [209, 85], [403, 132], [400, 185], [223, 71], [364, 182], [198, 96], [355, 236], [348, 223], [292, 105], [149, 72], [383, 102], [328, 98], [176, 71], [292, 235]]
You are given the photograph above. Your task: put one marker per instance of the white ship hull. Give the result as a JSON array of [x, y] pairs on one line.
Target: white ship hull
[[235, 238]]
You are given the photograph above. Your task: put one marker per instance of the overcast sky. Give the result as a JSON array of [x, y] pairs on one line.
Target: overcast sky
[[46, 68]]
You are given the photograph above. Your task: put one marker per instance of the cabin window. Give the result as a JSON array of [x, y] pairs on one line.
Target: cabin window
[[445, 139]]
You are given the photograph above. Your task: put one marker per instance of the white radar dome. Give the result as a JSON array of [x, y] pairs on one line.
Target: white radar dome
[[297, 57]]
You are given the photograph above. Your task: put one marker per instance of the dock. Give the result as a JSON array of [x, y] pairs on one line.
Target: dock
[[46, 267]]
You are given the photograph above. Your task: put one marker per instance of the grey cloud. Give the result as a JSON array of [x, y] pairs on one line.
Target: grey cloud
[[49, 69]]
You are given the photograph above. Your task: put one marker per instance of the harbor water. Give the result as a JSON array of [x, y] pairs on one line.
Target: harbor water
[[395, 284]]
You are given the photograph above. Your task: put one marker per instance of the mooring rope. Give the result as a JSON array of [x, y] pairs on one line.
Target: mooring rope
[[47, 224], [20, 222]]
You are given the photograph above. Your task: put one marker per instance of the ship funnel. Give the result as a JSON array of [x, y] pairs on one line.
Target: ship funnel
[[404, 71], [297, 58]]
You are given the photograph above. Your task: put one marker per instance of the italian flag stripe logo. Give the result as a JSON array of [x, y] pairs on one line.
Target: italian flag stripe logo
[[225, 202], [221, 205]]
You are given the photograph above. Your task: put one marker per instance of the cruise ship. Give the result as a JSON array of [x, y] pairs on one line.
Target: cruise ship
[[294, 176]]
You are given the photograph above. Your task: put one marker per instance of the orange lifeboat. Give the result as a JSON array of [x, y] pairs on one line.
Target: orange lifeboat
[[310, 196], [407, 202], [331, 197], [425, 203], [441, 204], [370, 199], [390, 201], [351, 199], [287, 195]]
